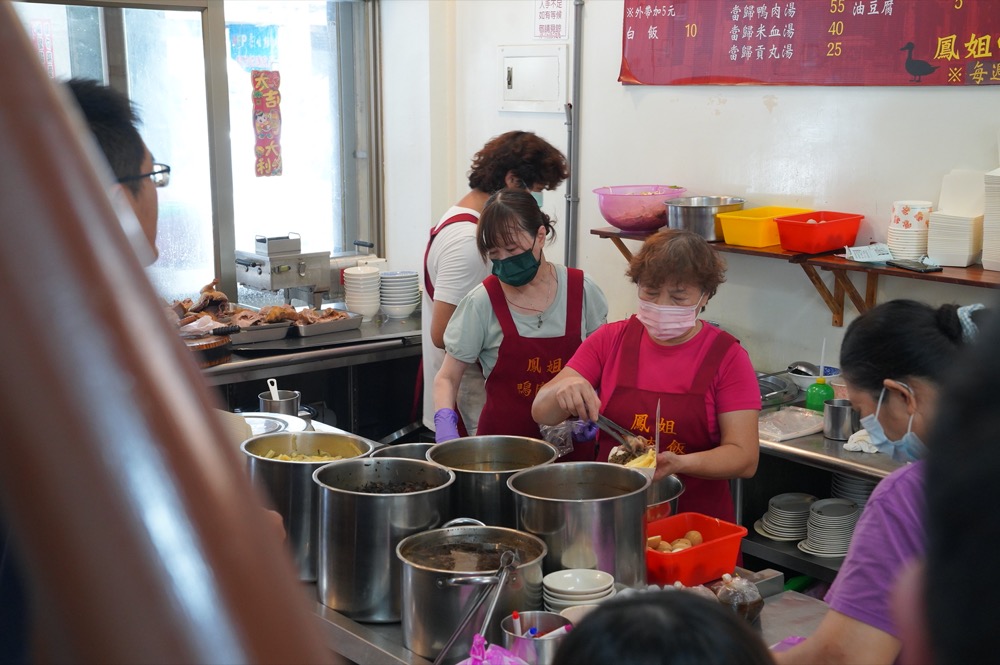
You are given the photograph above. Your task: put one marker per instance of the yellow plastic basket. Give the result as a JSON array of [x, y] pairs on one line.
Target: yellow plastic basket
[[754, 227]]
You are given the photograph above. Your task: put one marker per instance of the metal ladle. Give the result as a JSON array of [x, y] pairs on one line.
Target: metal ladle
[[799, 367]]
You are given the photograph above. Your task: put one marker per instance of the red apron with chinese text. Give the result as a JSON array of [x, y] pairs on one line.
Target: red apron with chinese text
[[429, 288], [683, 421], [525, 364]]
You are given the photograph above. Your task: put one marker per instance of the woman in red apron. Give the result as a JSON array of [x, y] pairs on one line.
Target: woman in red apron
[[700, 375], [522, 324], [453, 265]]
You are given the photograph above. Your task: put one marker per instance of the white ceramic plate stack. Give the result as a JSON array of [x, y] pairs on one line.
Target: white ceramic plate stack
[[786, 516], [907, 238], [400, 292], [576, 586], [991, 221], [854, 489], [831, 525], [361, 291]]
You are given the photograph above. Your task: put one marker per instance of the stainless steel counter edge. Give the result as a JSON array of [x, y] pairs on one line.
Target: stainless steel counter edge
[[816, 450]]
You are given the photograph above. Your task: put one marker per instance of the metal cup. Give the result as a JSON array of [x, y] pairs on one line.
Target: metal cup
[[840, 419], [534, 650], [287, 402]]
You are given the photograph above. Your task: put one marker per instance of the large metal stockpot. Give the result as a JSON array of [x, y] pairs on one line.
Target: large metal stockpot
[[367, 507], [482, 466], [590, 515], [290, 486], [445, 569]]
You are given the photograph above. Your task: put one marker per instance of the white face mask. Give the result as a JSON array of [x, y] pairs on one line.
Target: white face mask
[[666, 322], [908, 449]]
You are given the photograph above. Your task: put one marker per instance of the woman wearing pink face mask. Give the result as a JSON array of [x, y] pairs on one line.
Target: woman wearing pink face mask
[[700, 375]]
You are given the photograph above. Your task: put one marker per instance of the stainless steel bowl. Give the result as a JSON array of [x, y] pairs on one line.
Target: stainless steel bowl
[[662, 497], [699, 214]]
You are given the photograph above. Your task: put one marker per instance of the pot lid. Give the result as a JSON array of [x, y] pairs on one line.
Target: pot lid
[[267, 423]]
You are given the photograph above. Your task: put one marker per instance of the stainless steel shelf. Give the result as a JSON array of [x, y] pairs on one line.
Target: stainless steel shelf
[[788, 555]]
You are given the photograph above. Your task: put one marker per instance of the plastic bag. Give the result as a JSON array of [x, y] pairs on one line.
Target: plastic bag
[[491, 655], [789, 423], [568, 432], [741, 595]]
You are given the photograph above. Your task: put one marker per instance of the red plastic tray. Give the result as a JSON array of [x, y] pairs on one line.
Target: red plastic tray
[[699, 564], [832, 231]]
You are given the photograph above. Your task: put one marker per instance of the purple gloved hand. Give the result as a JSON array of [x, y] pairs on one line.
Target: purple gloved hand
[[584, 430], [445, 425]]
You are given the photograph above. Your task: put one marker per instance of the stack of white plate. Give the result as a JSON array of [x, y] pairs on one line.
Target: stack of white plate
[[855, 489], [786, 516], [576, 586], [831, 525], [361, 290], [991, 222], [400, 293], [955, 240]]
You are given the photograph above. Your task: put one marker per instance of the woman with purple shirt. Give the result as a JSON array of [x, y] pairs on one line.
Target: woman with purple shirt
[[893, 360]]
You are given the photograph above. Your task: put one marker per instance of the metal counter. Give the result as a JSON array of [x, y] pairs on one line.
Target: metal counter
[[785, 614], [816, 450], [377, 340]]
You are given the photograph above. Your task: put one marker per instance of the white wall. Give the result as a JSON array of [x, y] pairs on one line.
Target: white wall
[[836, 148]]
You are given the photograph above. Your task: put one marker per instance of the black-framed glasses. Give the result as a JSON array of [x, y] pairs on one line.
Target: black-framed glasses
[[160, 175]]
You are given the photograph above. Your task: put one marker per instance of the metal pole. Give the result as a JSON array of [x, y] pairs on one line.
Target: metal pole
[[573, 138]]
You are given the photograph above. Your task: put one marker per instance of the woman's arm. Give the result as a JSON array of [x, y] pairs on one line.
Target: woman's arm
[[734, 457], [568, 394], [446, 382], [440, 316], [842, 640]]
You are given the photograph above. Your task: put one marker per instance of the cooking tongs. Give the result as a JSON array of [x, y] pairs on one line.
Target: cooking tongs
[[623, 436], [509, 561]]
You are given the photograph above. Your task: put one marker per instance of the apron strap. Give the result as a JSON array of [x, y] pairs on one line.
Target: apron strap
[[499, 302], [709, 366], [454, 219]]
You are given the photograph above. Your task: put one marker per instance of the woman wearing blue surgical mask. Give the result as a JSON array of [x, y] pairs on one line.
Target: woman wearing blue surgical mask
[[520, 325], [894, 359], [700, 376]]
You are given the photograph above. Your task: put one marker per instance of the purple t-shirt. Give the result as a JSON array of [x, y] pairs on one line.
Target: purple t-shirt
[[889, 534]]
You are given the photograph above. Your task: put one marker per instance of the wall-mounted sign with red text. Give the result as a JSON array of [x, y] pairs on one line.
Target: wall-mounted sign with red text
[[811, 42]]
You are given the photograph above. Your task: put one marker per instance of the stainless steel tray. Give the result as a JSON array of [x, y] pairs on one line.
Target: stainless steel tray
[[775, 390], [263, 333], [352, 322]]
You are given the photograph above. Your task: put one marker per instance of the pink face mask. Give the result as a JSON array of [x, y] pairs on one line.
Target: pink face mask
[[665, 322]]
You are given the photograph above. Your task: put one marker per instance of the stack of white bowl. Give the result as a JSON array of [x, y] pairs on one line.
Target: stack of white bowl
[[400, 293], [908, 229], [576, 586], [361, 291]]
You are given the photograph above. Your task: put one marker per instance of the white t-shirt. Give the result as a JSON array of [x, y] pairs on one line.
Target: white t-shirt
[[455, 267], [474, 331]]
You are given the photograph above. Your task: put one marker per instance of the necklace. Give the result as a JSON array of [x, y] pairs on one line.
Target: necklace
[[548, 295]]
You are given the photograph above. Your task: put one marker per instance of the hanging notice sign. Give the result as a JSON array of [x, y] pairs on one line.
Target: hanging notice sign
[[811, 42], [266, 122], [550, 18]]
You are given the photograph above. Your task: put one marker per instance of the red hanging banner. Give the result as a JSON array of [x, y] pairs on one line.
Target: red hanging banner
[[811, 42], [266, 122]]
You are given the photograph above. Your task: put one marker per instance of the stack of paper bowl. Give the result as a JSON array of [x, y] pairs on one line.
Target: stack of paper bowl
[[831, 525], [400, 293], [576, 586], [907, 238], [361, 291]]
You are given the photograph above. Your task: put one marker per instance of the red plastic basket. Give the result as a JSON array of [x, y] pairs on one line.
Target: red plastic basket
[[698, 564], [831, 230]]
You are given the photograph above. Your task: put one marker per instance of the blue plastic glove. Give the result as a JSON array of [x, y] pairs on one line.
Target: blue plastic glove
[[584, 430], [445, 425]]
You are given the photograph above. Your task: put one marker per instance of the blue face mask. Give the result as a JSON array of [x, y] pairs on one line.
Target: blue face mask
[[538, 198], [908, 449]]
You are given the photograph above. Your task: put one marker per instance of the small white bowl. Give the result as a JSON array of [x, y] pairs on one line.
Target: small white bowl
[[576, 613], [398, 311], [804, 382], [554, 605], [360, 270], [577, 597], [576, 581]]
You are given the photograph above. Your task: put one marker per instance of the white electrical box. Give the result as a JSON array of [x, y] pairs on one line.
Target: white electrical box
[[533, 78]]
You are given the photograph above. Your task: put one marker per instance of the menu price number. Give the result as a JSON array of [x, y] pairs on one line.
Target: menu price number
[[690, 30]]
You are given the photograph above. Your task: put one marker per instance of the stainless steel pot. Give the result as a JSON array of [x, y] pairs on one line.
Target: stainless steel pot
[[407, 450], [590, 514], [699, 214], [482, 465], [662, 497], [443, 572], [290, 485], [360, 527]]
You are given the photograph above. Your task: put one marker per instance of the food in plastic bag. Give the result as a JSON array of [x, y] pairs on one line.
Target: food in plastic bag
[[480, 654], [741, 595], [698, 590], [568, 432], [789, 423]]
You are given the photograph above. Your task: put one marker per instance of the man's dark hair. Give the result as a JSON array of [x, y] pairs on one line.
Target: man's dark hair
[[113, 121]]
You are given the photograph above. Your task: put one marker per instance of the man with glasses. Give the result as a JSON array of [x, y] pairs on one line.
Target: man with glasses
[[113, 122]]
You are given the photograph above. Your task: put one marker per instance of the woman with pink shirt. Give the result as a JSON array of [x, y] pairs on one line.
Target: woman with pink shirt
[[701, 376]]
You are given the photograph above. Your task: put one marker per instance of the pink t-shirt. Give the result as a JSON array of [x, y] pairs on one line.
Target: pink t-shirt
[[671, 369]]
